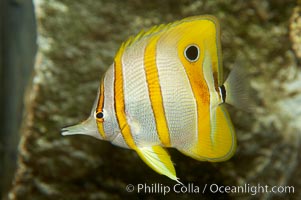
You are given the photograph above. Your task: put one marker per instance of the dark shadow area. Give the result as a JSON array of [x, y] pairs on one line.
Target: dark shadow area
[[17, 52]]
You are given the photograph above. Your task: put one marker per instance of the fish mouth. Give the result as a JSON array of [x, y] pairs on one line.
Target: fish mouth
[[87, 127]]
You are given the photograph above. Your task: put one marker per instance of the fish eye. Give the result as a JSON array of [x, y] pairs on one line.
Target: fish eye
[[192, 53], [99, 115]]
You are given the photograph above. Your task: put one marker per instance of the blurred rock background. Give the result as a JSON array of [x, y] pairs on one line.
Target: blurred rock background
[[77, 42]]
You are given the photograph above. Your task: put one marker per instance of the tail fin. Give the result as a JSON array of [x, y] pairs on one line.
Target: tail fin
[[238, 89]]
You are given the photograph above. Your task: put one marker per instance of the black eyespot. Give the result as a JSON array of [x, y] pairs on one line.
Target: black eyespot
[[99, 115], [192, 53]]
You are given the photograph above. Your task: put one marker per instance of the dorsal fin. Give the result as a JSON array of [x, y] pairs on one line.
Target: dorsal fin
[[143, 34], [160, 28]]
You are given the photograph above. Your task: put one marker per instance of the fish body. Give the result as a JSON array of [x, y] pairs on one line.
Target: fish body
[[164, 89]]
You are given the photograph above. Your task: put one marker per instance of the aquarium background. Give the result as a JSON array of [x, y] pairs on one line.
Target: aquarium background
[[77, 41]]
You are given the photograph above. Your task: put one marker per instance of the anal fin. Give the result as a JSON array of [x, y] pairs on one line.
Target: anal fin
[[219, 142], [223, 135]]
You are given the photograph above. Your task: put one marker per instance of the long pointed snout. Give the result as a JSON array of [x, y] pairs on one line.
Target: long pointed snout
[[87, 127]]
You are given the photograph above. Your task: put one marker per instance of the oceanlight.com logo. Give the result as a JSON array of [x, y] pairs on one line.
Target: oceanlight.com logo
[[191, 188]]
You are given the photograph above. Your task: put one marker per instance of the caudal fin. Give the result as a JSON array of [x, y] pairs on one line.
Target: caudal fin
[[238, 89]]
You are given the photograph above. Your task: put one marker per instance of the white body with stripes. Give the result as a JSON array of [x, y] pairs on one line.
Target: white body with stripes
[[165, 89], [179, 103]]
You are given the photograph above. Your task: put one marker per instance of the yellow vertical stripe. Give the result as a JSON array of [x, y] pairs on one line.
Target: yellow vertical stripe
[[152, 78], [100, 109], [203, 35], [201, 95], [119, 101]]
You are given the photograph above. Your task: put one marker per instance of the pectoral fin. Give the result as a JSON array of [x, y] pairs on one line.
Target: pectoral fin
[[159, 160]]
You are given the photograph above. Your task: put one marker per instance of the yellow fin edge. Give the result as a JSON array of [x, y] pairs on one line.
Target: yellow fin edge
[[159, 160], [223, 145]]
